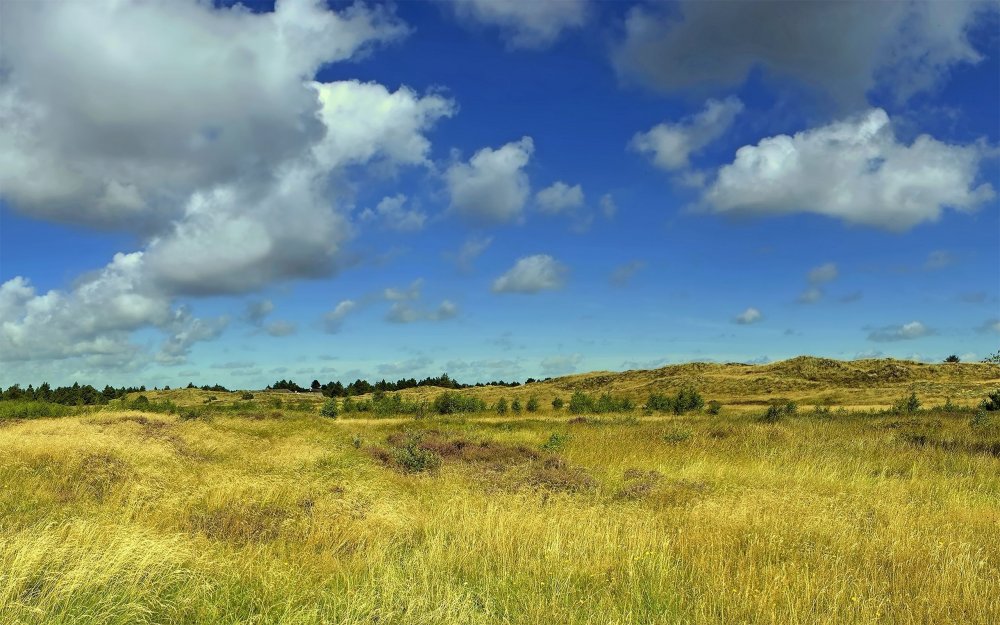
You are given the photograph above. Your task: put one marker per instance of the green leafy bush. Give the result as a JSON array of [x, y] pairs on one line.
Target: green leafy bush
[[532, 405], [556, 442], [907, 404], [515, 406], [451, 402], [501, 406], [558, 403], [713, 407], [992, 402], [246, 395], [329, 408]]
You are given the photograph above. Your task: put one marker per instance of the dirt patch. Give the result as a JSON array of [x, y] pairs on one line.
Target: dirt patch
[[96, 475], [243, 523], [639, 484], [414, 452], [555, 474]]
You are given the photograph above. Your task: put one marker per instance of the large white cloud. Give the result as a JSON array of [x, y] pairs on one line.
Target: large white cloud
[[670, 145], [840, 47], [114, 112], [525, 23], [492, 186], [200, 129], [855, 170], [532, 274]]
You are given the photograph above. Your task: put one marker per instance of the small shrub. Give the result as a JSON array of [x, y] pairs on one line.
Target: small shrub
[[660, 402], [246, 395], [907, 404], [688, 399], [558, 403], [515, 406], [580, 402], [329, 408], [714, 407], [140, 402], [357, 441], [556, 442], [992, 402], [189, 414], [501, 406], [773, 414], [791, 408], [412, 458], [981, 420], [675, 437], [532, 405], [953, 358]]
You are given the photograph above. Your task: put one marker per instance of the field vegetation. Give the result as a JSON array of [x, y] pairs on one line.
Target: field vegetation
[[430, 506]]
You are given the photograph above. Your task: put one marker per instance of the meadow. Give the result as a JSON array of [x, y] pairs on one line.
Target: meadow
[[263, 511]]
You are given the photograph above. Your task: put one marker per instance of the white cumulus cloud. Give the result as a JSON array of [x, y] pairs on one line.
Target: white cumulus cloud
[[532, 274], [525, 23], [854, 170], [492, 186], [670, 145]]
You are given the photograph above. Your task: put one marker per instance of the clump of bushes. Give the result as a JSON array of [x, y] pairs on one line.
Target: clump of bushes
[[907, 405], [685, 400], [532, 405], [581, 402], [515, 406], [246, 395], [558, 403], [451, 402], [777, 412], [329, 408], [501, 406]]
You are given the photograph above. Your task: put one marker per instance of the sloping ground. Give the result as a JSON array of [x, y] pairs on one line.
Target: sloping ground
[[805, 379]]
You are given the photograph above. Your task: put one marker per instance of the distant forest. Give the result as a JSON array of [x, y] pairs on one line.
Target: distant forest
[[87, 395]]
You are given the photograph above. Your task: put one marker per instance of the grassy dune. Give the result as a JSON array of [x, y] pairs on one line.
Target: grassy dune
[[287, 517]]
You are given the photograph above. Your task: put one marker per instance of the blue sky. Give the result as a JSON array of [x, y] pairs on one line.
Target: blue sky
[[216, 193]]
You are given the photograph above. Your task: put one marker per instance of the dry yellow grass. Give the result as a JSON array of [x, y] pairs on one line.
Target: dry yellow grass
[[124, 517]]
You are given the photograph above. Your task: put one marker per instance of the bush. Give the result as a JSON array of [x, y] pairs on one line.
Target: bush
[[580, 402], [412, 458], [532, 405], [451, 402], [675, 437], [992, 402], [501, 406], [558, 403], [686, 399], [140, 402], [773, 414], [329, 408], [953, 358], [659, 402], [907, 404], [246, 395], [714, 407], [556, 442], [516, 406], [981, 420]]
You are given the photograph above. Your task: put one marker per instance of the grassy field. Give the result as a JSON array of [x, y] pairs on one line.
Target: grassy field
[[264, 515]]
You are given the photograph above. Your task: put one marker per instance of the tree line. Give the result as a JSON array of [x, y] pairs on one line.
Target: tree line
[[81, 395], [363, 387]]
